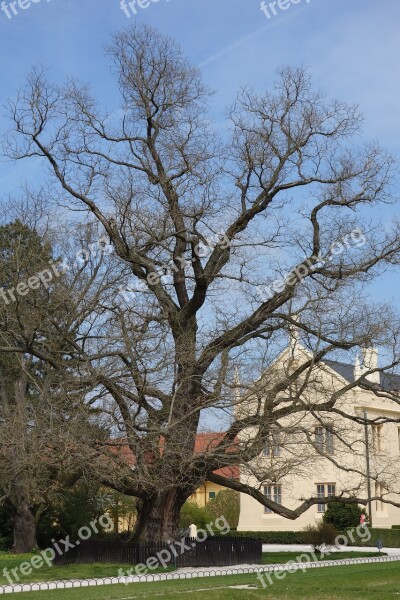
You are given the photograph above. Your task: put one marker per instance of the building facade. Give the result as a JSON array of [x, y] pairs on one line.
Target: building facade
[[316, 454]]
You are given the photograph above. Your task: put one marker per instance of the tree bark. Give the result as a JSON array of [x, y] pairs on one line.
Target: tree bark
[[158, 517], [24, 530]]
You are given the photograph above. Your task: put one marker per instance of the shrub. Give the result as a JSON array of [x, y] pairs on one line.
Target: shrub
[[227, 504], [68, 512], [192, 513], [318, 536], [390, 538], [6, 526], [343, 516], [272, 537], [5, 543]]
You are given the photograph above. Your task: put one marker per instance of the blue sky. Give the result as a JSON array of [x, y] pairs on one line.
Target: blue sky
[[351, 47]]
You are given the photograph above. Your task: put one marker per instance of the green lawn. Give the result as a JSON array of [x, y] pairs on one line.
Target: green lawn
[[93, 571], [275, 558], [355, 582], [45, 573]]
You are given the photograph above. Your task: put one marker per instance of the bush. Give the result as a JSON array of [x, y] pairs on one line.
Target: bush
[[6, 526], [5, 544], [226, 504], [272, 537], [192, 513], [343, 516], [390, 538], [68, 512], [318, 536]]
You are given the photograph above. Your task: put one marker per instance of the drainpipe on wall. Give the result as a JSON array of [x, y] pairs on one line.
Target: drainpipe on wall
[[368, 467]]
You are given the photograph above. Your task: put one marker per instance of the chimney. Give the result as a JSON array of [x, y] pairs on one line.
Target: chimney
[[370, 361], [358, 370]]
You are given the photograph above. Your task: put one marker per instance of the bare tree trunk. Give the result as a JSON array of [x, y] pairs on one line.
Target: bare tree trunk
[[158, 517], [24, 529], [24, 517]]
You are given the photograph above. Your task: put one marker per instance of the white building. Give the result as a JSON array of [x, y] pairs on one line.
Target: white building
[[321, 454]]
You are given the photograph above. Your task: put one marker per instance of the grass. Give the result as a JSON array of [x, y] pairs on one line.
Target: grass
[[59, 572], [355, 582], [97, 570], [276, 558]]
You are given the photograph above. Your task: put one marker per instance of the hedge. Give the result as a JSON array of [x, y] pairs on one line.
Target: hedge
[[273, 537], [390, 537]]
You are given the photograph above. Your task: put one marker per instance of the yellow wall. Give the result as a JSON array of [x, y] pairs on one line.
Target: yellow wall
[[202, 494]]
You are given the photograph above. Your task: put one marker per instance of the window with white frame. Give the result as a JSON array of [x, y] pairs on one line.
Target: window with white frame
[[325, 490], [319, 438], [377, 437], [273, 445], [273, 492], [329, 441], [324, 439]]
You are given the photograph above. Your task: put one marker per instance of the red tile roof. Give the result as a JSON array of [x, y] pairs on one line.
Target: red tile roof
[[204, 443]]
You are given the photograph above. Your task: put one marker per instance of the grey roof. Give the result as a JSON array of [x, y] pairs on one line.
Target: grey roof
[[389, 381], [345, 371]]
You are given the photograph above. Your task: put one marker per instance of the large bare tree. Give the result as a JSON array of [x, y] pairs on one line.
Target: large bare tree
[[226, 242]]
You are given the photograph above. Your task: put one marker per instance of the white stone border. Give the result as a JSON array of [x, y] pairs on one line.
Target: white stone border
[[187, 573]]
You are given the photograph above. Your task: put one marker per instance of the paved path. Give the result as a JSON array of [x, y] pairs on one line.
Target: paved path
[[189, 573], [303, 548]]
